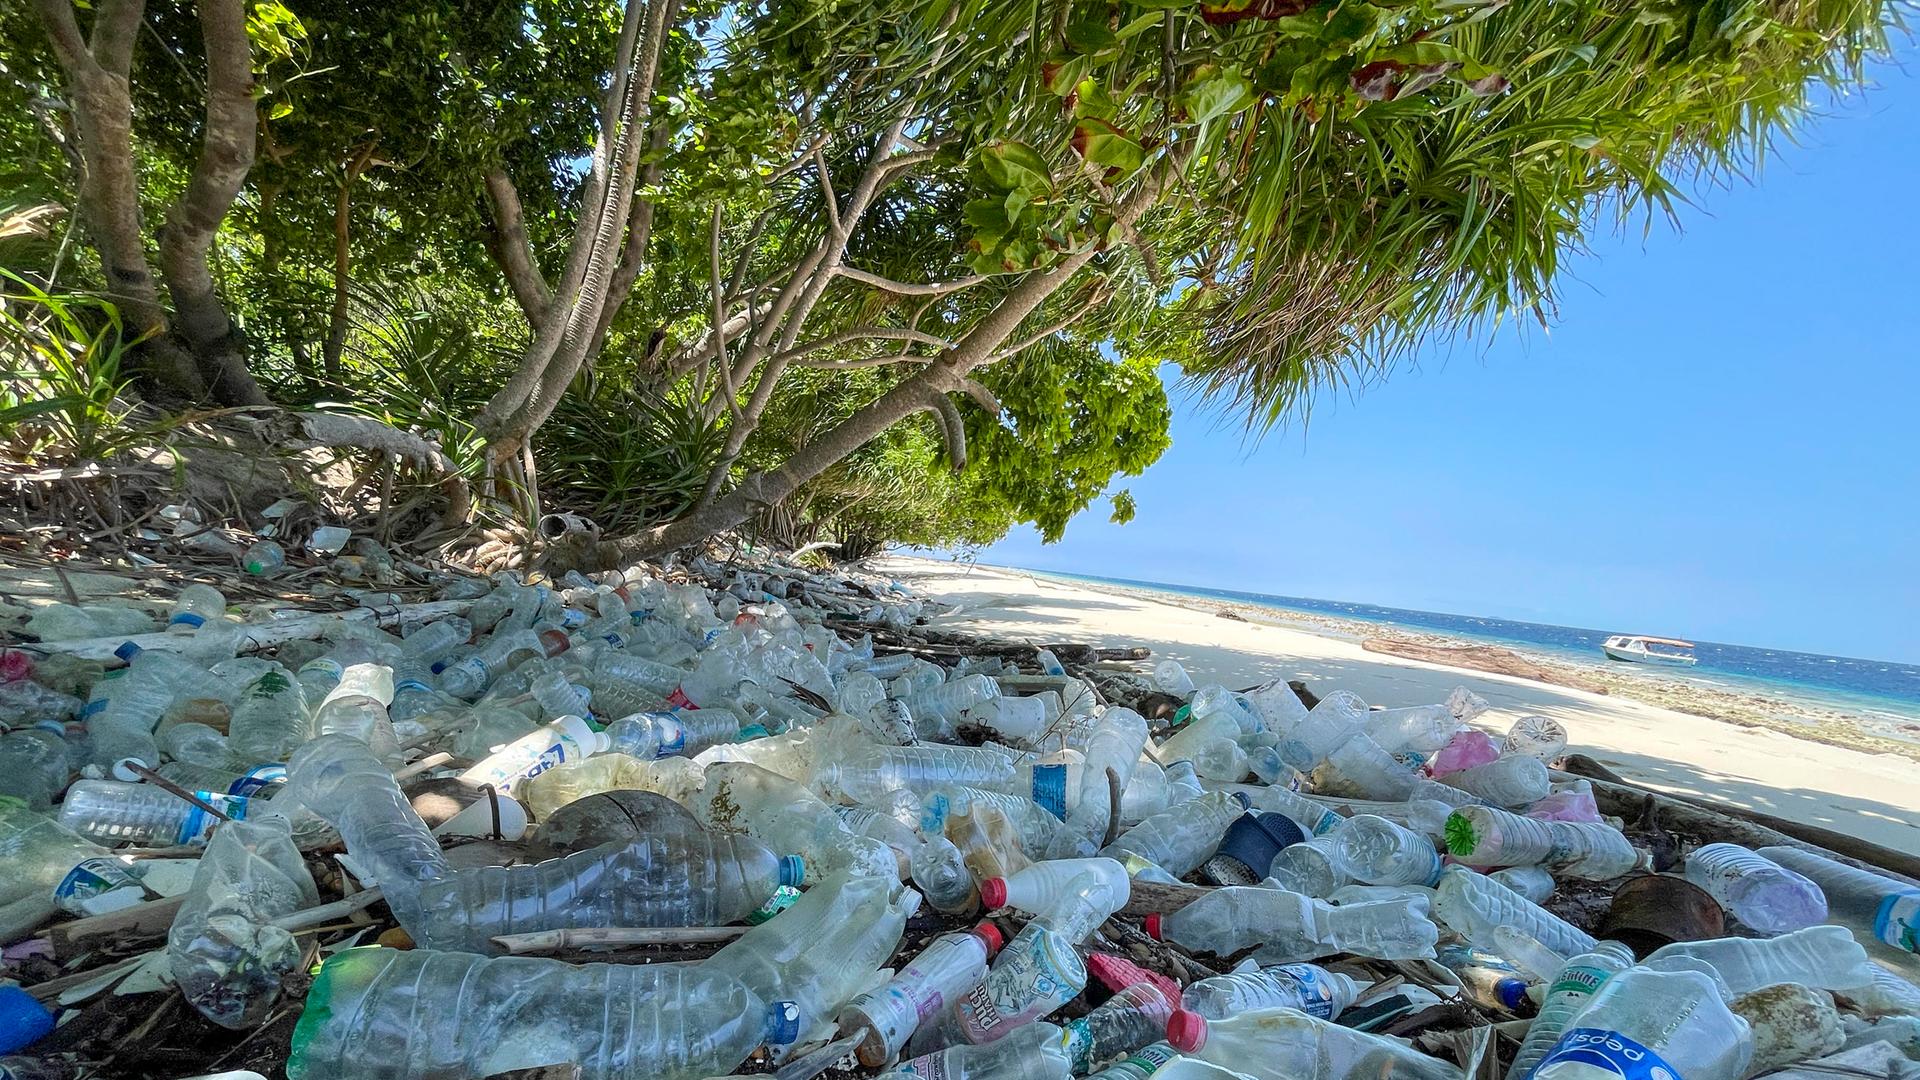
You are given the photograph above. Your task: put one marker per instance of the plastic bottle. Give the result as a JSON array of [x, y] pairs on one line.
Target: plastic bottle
[[1044, 885], [784, 814], [112, 812], [949, 966], [36, 853], [1535, 736], [1756, 890], [1486, 979], [194, 606], [1292, 928], [383, 1014], [882, 769], [1507, 781], [1114, 746], [225, 955], [1881, 911], [824, 949], [1334, 720], [1035, 1052], [1282, 1044], [1118, 1026], [1472, 906], [33, 764], [1533, 882], [1179, 839], [1594, 851], [1652, 1023], [989, 844], [1360, 767], [1182, 785], [264, 558], [473, 674], [1822, 957], [231, 779], [1377, 851], [1422, 729], [1316, 819], [1573, 986], [271, 720], [1308, 868], [1310, 989], [1197, 732], [1531, 957], [1171, 678], [357, 706], [437, 639], [1211, 700]]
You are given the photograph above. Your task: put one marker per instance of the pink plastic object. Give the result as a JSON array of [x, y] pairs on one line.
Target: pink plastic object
[[15, 665], [1565, 806], [1116, 973], [1468, 749]]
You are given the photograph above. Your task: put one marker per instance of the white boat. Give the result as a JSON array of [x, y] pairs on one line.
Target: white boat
[[1640, 649]]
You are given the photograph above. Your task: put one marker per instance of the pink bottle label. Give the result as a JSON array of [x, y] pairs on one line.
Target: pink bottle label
[[1034, 976]]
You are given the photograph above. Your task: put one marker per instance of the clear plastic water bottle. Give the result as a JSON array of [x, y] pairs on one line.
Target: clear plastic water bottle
[[193, 607], [1756, 890], [1823, 957], [1570, 991], [1310, 989], [1514, 780], [882, 769], [948, 700], [950, 965], [265, 558], [271, 718], [1519, 947], [229, 778], [437, 639], [1645, 1023], [1422, 729], [1114, 746], [1879, 910], [33, 764], [1211, 700], [1282, 1044], [1171, 678], [357, 706], [476, 672], [384, 1014], [1593, 851], [36, 852], [1118, 1026], [1316, 819], [1196, 733], [1183, 785], [1308, 868], [1034, 1052], [1293, 928], [784, 814], [1046, 885], [824, 949], [1472, 905], [1535, 736], [1179, 839], [1377, 851], [225, 955], [1533, 882], [1364, 769], [1337, 718], [112, 812]]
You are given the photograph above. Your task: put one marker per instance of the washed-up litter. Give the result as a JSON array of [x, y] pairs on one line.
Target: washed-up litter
[[737, 814]]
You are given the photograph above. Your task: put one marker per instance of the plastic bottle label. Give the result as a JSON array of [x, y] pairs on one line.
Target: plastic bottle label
[[91, 878], [187, 618], [472, 665], [256, 778], [1898, 921], [679, 699], [1151, 1057], [1030, 980], [1050, 789], [199, 824], [572, 618], [1316, 997], [1579, 980], [673, 734], [1610, 1052]]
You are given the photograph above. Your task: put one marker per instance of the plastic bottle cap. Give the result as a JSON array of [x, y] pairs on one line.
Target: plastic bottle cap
[[783, 1023], [793, 869], [990, 934], [1511, 992], [1186, 1031], [127, 651], [23, 1020], [993, 893], [1152, 923]]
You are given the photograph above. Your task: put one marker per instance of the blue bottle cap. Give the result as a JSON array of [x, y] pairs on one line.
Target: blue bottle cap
[[783, 1023], [23, 1020], [127, 651], [1511, 992], [793, 868]]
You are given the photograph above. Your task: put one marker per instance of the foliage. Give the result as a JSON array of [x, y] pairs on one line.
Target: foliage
[[62, 380]]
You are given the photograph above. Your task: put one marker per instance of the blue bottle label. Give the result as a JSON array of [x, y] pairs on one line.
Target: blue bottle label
[[1609, 1051], [187, 618], [1898, 921], [673, 735], [1050, 789]]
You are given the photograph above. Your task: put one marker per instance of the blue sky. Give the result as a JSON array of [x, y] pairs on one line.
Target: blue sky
[[1719, 438]]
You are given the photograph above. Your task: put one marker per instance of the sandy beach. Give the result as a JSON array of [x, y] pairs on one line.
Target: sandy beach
[[1872, 795]]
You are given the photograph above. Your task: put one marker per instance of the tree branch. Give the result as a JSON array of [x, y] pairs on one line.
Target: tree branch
[[116, 27], [866, 362], [953, 425], [981, 396], [902, 288], [512, 248], [862, 333], [63, 30], [1094, 299], [342, 261]]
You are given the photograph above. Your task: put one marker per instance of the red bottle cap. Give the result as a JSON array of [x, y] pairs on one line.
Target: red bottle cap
[[1152, 923], [993, 893], [1187, 1031], [990, 934]]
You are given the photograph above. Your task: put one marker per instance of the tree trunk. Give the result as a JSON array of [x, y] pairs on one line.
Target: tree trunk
[[342, 256], [226, 154], [511, 248]]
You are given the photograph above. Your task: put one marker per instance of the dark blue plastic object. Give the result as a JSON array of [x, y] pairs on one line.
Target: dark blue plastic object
[[1255, 838], [23, 1021]]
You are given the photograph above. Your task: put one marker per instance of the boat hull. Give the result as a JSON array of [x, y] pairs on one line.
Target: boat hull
[[1641, 656]]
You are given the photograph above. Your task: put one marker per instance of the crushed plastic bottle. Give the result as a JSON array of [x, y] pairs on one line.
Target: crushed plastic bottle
[[1822, 957], [1179, 839], [1472, 905], [1484, 836], [1882, 912], [1645, 1023], [1756, 890], [1515, 780], [1291, 928], [887, 1017], [1572, 987], [1123, 1023], [383, 1014], [1284, 1044], [226, 956], [33, 764], [1304, 987]]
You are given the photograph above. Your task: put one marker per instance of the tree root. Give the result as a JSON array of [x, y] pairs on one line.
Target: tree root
[[335, 430]]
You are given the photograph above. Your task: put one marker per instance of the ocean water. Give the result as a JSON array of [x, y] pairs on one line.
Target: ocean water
[[1877, 686]]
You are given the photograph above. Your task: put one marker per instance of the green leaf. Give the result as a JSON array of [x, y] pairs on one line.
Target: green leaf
[[1215, 91], [1062, 75], [1090, 36], [1015, 166], [1144, 22], [1103, 144]]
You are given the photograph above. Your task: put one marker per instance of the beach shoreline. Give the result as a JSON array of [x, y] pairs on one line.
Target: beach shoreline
[[1720, 745]]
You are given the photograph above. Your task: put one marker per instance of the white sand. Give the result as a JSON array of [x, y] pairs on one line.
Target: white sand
[[1873, 796]]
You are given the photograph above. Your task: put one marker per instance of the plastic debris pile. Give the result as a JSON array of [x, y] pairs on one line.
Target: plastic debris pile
[[686, 821]]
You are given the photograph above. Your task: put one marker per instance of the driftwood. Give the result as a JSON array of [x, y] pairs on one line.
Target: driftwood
[[136, 923], [1480, 658]]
